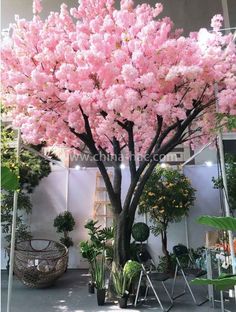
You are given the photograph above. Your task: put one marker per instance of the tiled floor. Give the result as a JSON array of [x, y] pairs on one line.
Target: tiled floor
[[70, 294]]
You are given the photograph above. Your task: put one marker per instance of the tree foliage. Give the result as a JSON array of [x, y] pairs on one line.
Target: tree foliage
[[167, 197], [30, 171]]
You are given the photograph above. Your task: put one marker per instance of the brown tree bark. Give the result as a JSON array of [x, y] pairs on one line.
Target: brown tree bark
[[166, 252]]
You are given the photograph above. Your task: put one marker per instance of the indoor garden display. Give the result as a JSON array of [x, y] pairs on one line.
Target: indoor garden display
[[167, 197], [121, 81]]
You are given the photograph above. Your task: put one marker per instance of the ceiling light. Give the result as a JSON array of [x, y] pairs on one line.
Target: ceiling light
[[122, 166], [163, 165]]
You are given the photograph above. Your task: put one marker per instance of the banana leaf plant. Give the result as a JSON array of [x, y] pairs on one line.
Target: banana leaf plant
[[9, 180], [224, 281]]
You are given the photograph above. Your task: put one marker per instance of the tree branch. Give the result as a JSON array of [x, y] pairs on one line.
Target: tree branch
[[132, 160], [117, 175], [87, 138]]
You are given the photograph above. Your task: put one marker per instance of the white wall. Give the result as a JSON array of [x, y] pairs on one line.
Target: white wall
[[49, 200]]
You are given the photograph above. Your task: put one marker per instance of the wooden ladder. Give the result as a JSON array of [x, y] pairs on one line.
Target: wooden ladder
[[101, 207]]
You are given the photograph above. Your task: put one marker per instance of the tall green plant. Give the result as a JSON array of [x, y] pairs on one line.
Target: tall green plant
[[97, 244], [167, 197], [123, 277]]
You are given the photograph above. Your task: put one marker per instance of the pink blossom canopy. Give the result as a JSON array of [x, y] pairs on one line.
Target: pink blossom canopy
[[113, 66]]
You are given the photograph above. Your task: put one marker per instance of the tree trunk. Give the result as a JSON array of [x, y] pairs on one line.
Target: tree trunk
[[123, 228], [165, 251]]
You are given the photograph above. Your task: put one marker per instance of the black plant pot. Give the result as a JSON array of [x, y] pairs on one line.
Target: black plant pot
[[132, 298], [123, 302], [101, 293], [91, 288], [142, 290]]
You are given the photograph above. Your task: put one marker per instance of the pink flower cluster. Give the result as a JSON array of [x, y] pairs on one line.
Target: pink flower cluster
[[126, 63]]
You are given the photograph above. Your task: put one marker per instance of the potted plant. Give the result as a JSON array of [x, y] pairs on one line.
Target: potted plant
[[89, 252], [140, 233], [97, 245], [64, 223], [122, 279], [99, 278], [167, 197]]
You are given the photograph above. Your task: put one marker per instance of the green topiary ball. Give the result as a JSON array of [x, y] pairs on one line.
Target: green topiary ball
[[140, 232]]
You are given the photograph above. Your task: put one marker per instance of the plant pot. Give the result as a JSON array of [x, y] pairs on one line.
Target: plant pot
[[142, 290], [91, 288], [123, 302], [101, 293], [132, 298]]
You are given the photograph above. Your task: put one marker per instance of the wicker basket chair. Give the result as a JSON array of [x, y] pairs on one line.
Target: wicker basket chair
[[39, 262]]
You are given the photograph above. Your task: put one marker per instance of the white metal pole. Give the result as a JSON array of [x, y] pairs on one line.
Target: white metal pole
[[13, 232], [67, 187], [225, 188], [226, 203], [225, 13], [186, 231], [197, 153]]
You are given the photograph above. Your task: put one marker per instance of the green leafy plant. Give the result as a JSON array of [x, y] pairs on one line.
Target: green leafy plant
[[65, 223], [225, 281], [163, 264], [227, 121], [230, 169], [220, 223], [99, 238], [97, 244], [167, 197], [99, 272], [132, 269], [24, 177], [9, 180], [123, 277]]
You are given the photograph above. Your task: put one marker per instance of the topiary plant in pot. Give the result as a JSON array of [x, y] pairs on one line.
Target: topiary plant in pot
[[64, 223], [140, 233]]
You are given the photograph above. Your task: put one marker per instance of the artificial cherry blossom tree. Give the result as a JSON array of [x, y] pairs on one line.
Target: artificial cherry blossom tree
[[120, 82]]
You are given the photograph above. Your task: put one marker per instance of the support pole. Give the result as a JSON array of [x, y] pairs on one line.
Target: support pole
[[225, 13], [67, 188], [225, 191], [226, 203], [13, 232]]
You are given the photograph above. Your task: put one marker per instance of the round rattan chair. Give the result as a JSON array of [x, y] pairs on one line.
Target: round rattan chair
[[39, 262]]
